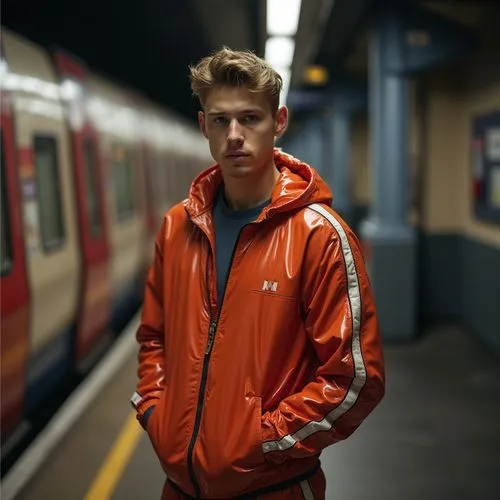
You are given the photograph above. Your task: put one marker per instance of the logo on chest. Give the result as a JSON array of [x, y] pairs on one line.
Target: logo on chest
[[270, 286]]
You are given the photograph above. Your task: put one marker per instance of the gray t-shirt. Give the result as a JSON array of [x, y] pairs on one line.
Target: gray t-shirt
[[228, 224]]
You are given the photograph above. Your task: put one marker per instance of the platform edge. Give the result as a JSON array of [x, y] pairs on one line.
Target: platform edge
[[35, 455]]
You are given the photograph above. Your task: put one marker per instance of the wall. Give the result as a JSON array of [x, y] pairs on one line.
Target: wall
[[459, 254]]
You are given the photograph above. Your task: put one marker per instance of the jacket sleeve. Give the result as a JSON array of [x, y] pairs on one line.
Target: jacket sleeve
[[150, 337], [341, 322]]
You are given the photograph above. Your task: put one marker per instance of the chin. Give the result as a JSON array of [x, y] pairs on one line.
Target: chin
[[238, 167], [237, 170]]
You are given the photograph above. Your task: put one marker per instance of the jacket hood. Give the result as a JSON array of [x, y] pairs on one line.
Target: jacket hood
[[298, 185]]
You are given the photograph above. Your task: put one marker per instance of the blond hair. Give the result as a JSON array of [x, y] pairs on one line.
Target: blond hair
[[235, 68]]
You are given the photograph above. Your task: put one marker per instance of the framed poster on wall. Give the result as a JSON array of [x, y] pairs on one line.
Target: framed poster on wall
[[486, 166]]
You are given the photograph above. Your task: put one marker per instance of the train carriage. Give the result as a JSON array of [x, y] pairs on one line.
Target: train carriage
[[88, 169]]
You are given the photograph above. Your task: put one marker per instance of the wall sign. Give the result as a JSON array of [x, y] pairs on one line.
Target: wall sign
[[486, 166]]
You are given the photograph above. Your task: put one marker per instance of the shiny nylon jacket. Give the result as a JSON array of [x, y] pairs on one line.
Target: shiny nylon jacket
[[247, 396]]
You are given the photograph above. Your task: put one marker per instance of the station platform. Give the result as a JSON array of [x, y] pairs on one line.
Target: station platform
[[435, 436]]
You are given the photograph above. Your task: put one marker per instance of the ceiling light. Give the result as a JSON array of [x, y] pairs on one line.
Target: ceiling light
[[279, 51], [282, 17]]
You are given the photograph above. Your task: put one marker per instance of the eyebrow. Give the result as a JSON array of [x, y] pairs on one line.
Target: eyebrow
[[220, 113]]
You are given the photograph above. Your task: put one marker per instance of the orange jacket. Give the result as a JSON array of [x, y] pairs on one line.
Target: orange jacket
[[249, 395]]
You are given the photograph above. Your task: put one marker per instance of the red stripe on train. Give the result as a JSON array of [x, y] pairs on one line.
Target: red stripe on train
[[14, 306]]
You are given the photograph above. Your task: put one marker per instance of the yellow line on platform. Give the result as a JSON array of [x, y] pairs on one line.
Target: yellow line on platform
[[114, 464]]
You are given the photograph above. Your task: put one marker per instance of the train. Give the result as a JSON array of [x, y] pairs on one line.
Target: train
[[88, 168]]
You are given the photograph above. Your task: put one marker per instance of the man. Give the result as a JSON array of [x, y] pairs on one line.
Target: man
[[259, 343]]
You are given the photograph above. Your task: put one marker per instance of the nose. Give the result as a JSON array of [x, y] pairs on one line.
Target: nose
[[234, 133]]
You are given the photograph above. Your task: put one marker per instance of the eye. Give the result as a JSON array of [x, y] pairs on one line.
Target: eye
[[220, 120], [250, 118]]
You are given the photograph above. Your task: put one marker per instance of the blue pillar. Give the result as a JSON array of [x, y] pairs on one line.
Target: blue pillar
[[389, 122], [339, 145], [387, 236], [391, 242]]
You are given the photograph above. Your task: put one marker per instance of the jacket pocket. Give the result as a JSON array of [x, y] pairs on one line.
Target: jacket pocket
[[230, 445], [245, 439]]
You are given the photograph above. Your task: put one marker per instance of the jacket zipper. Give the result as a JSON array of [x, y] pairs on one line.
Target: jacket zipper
[[204, 374]]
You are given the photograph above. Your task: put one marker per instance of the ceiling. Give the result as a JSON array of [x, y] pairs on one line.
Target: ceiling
[[146, 44], [478, 16], [149, 44]]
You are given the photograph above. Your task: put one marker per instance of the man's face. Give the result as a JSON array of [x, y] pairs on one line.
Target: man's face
[[240, 128]]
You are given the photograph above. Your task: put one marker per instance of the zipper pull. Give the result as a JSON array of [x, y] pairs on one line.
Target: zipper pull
[[211, 337]]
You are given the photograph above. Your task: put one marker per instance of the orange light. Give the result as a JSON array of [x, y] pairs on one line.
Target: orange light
[[316, 75]]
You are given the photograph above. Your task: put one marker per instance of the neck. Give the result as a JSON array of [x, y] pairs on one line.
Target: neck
[[250, 192]]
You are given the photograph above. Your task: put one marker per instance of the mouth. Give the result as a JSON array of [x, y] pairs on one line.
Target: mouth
[[237, 154]]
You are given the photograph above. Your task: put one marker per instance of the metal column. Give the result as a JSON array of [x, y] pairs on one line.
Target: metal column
[[339, 145], [389, 240]]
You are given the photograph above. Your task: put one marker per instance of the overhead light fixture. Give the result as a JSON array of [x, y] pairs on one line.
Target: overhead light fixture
[[315, 75], [279, 51], [282, 17]]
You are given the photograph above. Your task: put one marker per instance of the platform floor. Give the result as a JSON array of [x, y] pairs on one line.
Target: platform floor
[[435, 436]]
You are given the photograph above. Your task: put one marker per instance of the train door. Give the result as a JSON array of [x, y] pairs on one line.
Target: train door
[[14, 303], [49, 218], [92, 335]]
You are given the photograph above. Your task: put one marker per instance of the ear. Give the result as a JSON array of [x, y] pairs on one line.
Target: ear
[[281, 121], [201, 123]]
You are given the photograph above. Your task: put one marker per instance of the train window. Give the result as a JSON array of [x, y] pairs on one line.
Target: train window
[[6, 248], [151, 184], [123, 182], [92, 183], [49, 192]]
